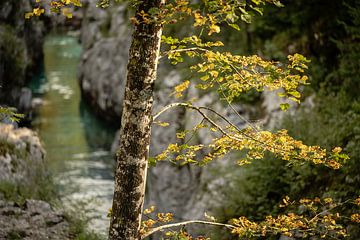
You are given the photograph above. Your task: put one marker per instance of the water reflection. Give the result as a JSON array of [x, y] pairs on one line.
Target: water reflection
[[77, 143]]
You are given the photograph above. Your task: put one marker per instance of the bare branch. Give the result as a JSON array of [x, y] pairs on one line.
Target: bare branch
[[234, 110], [167, 108], [179, 224]]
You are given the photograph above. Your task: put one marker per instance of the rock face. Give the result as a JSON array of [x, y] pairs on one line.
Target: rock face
[[21, 154], [21, 163], [105, 38], [20, 52], [34, 220]]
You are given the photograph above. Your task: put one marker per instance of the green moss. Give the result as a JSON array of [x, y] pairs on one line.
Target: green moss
[[105, 27], [16, 235], [6, 147]]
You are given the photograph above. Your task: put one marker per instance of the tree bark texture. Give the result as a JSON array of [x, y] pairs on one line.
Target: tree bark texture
[[133, 151]]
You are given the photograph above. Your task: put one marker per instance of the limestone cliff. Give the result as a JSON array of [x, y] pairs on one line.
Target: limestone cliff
[[105, 38]]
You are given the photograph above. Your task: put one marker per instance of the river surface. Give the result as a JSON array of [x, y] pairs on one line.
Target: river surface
[[76, 142]]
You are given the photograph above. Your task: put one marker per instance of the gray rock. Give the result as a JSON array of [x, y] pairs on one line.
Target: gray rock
[[25, 100], [21, 154], [34, 220], [22, 161], [102, 72]]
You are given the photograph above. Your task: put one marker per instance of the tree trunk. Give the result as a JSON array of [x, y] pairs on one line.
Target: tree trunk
[[133, 152]]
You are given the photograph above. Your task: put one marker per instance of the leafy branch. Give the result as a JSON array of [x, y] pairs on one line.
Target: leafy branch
[[255, 142]]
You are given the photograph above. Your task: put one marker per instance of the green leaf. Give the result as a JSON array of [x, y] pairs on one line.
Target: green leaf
[[235, 26], [284, 106], [295, 94], [154, 11], [152, 162]]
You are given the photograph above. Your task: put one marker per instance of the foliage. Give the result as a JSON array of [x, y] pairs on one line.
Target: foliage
[[260, 186], [232, 75], [315, 217], [39, 187], [10, 113], [63, 6], [333, 121]]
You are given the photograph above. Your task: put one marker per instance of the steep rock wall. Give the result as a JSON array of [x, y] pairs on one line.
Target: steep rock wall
[[20, 52], [105, 38]]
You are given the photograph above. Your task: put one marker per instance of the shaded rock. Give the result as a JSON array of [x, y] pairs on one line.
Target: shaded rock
[[35, 220], [20, 51], [106, 39]]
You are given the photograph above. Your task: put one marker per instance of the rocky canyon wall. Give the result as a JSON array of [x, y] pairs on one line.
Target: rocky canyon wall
[[20, 53]]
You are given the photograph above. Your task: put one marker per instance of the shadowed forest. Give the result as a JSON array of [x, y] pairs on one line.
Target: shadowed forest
[[179, 119]]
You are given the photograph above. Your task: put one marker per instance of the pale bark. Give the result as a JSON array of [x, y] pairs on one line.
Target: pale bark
[[132, 155]]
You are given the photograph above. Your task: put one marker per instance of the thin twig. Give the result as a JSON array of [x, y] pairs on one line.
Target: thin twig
[[225, 133], [234, 110], [179, 224], [328, 210], [192, 49]]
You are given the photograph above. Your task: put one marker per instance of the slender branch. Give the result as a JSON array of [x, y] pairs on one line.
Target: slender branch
[[193, 132], [167, 108], [222, 117], [192, 49], [179, 224], [198, 109], [328, 210], [234, 110], [225, 133]]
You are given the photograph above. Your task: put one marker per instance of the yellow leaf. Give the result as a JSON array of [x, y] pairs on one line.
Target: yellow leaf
[[181, 88], [199, 20], [162, 124], [67, 12], [76, 3], [38, 11], [214, 29], [29, 15]]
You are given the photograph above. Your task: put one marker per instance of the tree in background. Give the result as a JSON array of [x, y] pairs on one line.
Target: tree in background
[[231, 75]]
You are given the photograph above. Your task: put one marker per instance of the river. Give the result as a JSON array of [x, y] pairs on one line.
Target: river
[[76, 142]]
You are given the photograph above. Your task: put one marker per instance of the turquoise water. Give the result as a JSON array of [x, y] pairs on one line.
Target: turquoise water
[[76, 142]]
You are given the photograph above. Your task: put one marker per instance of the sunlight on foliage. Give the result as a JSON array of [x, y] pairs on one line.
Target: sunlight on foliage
[[10, 113], [59, 6], [304, 218], [235, 74], [179, 89], [253, 141]]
